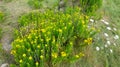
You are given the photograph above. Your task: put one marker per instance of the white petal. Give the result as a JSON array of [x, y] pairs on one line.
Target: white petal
[[106, 45], [105, 22], [97, 48], [111, 50], [91, 20], [108, 42], [114, 44], [109, 28], [116, 37], [114, 29], [106, 34]]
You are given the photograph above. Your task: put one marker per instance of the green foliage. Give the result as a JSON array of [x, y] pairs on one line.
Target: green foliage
[[54, 37], [38, 4], [1, 16], [35, 3], [90, 6]]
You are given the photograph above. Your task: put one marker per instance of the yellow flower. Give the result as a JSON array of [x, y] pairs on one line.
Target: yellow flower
[[70, 23], [41, 56], [42, 51], [54, 55], [21, 61], [84, 25], [83, 22], [53, 40], [77, 56], [85, 41], [98, 30], [93, 28], [30, 58], [63, 54], [38, 46], [71, 43], [36, 63], [32, 42], [81, 54], [60, 30], [46, 45], [17, 46], [88, 40], [48, 33], [29, 50], [41, 40], [43, 30], [65, 27], [29, 37], [13, 52], [21, 40], [24, 55], [47, 39]]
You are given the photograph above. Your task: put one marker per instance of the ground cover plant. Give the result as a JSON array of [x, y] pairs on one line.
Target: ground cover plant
[[55, 37]]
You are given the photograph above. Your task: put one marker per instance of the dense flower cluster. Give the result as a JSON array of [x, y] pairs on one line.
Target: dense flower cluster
[[51, 39]]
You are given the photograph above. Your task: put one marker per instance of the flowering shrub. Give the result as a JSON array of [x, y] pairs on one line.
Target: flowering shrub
[[53, 38]]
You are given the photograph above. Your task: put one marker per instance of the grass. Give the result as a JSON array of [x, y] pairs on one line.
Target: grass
[[105, 50]]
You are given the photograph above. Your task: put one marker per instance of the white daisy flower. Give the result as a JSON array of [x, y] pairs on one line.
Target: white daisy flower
[[111, 50], [106, 34], [91, 20], [116, 37], [97, 48], [109, 28], [114, 29], [108, 42], [106, 45], [102, 20], [105, 22], [114, 44]]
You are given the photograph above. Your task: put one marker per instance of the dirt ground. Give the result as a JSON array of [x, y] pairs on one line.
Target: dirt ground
[[13, 10]]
